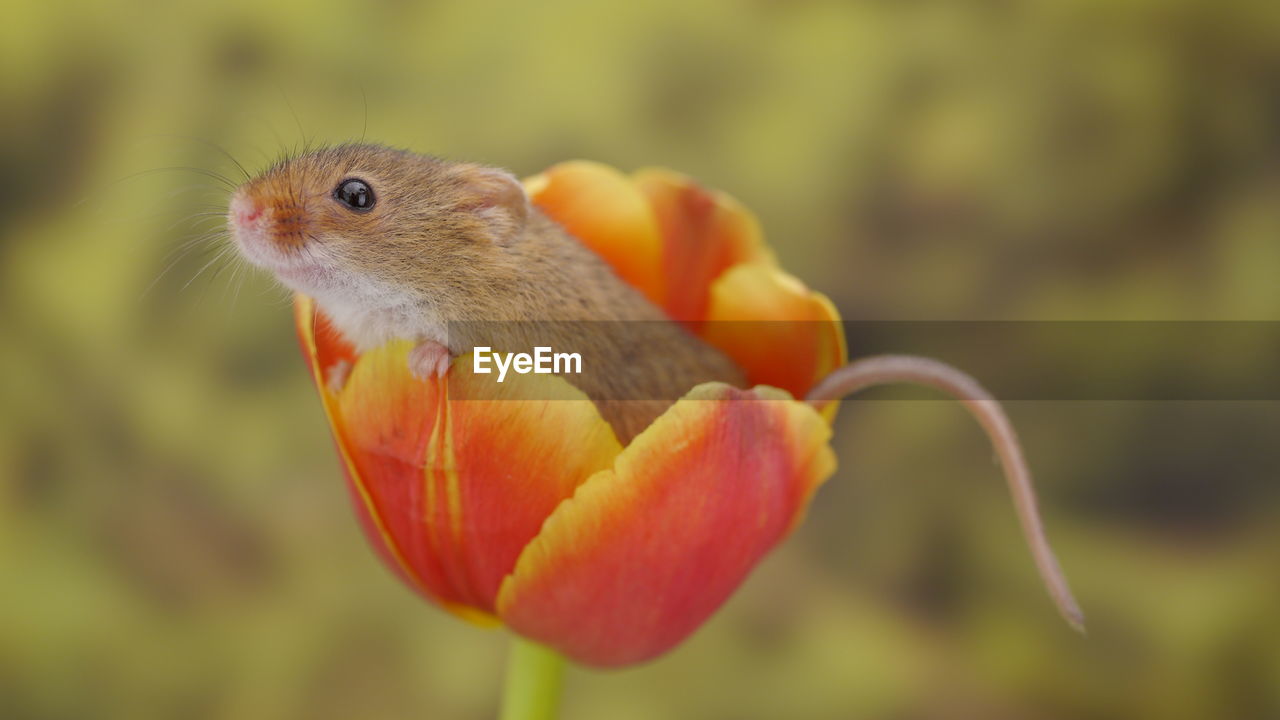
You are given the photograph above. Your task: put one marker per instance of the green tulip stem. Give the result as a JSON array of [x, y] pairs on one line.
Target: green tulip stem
[[535, 675]]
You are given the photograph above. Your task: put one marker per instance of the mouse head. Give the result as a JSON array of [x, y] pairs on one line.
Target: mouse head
[[365, 224]]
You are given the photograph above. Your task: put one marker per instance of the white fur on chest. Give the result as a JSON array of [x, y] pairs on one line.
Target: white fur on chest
[[367, 328]]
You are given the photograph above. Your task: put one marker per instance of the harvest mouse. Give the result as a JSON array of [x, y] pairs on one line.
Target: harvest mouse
[[395, 245], [392, 244]]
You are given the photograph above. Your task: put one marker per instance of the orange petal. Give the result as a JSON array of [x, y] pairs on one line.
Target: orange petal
[[645, 552], [777, 330], [322, 345], [454, 477], [703, 234], [383, 421], [602, 208], [323, 348]]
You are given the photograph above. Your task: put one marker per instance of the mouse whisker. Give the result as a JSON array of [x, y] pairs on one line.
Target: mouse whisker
[[182, 168], [194, 221], [177, 192], [263, 120], [219, 214], [219, 256], [282, 296], [243, 272], [232, 287], [364, 124], [176, 256], [302, 134], [209, 144], [197, 237]]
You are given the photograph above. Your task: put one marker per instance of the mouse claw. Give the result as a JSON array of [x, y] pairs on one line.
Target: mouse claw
[[429, 359]]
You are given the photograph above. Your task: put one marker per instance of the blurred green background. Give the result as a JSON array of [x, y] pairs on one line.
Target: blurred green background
[[175, 540]]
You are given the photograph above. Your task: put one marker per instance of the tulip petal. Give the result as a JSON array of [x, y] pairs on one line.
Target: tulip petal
[[777, 330], [454, 476], [323, 348], [384, 420], [322, 345], [703, 234], [644, 552], [604, 209]]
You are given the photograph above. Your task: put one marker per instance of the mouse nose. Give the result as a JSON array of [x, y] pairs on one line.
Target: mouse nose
[[245, 211]]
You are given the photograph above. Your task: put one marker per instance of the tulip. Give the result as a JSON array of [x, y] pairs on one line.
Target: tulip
[[515, 504]]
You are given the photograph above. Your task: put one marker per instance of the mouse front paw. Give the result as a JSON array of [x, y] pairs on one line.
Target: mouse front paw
[[336, 375], [429, 359]]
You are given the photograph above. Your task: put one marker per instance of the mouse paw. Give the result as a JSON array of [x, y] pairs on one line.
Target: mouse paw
[[429, 359], [335, 376]]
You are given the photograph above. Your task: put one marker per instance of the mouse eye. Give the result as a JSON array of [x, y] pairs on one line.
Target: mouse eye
[[355, 194]]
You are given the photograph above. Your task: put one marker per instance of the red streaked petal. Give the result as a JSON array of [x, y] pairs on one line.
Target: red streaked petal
[[463, 472], [321, 346], [704, 233], [604, 209], [776, 329], [453, 477], [646, 551], [512, 460], [384, 421]]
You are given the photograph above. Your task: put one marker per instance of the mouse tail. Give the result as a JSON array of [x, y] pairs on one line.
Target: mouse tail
[[898, 369]]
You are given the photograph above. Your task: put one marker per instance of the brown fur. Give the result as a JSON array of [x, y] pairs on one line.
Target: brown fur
[[453, 252]]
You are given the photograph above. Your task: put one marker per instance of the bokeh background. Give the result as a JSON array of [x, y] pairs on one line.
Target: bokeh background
[[175, 540]]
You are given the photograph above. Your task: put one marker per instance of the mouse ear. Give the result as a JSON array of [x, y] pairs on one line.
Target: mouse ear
[[498, 198]]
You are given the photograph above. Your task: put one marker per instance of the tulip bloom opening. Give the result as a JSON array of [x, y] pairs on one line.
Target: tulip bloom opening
[[515, 503]]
